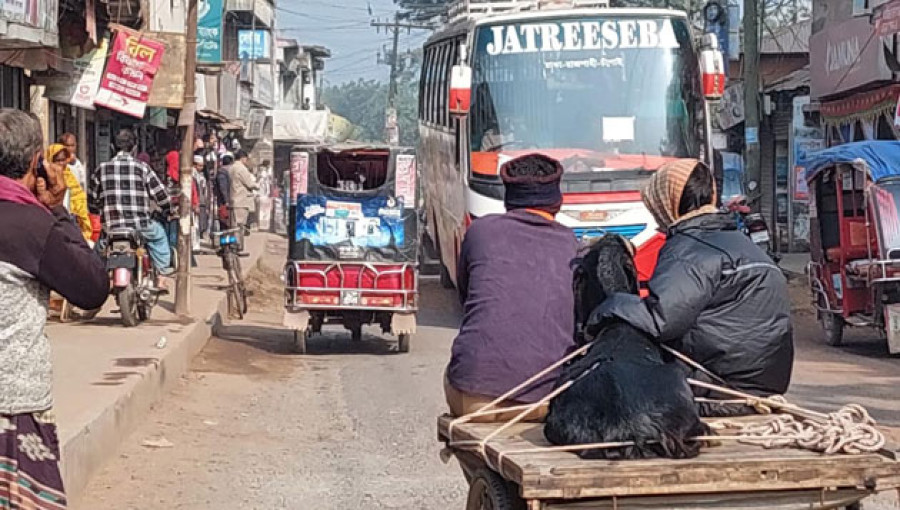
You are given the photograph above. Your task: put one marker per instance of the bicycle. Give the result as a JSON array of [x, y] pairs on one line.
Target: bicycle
[[228, 248]]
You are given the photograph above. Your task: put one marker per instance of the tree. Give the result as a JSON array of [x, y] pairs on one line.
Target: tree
[[364, 102]]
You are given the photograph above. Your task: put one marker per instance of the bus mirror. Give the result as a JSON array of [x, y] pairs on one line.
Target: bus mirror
[[460, 90], [712, 68]]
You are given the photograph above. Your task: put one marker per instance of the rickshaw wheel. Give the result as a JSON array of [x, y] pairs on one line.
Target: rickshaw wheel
[[489, 491], [403, 343], [299, 342], [833, 325]]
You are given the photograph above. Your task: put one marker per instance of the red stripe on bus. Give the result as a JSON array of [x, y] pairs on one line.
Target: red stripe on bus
[[601, 198]]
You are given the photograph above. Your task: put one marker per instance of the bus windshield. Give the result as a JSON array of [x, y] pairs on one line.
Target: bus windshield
[[597, 93]]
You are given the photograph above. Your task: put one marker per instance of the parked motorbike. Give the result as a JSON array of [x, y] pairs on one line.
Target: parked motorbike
[[752, 224], [133, 276]]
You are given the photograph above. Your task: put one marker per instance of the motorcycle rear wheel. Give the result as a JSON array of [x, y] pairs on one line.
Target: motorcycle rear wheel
[[127, 300]]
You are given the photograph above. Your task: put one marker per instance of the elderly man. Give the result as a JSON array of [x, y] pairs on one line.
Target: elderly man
[[515, 282], [41, 249], [243, 184]]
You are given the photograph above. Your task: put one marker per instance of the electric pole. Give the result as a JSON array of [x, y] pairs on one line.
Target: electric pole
[[186, 120], [751, 94], [392, 133]]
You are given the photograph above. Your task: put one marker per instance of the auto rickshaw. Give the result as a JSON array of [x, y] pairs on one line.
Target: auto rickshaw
[[354, 241], [854, 272]]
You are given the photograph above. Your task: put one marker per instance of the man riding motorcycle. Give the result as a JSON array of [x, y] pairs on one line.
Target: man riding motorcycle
[[123, 190]]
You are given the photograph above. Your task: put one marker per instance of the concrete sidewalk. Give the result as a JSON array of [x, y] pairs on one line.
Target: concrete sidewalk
[[107, 377]]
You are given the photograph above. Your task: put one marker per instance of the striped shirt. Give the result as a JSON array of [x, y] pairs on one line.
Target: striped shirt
[[122, 190]]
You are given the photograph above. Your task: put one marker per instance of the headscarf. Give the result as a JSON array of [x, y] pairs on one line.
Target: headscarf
[[662, 196], [143, 158], [532, 191], [53, 150]]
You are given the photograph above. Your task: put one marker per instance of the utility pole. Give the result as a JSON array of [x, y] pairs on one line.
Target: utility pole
[[392, 89], [186, 119], [751, 94], [392, 133]]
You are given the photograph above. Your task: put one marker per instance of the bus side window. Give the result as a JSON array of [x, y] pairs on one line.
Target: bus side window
[[429, 84], [422, 86], [451, 61], [432, 85], [439, 88]]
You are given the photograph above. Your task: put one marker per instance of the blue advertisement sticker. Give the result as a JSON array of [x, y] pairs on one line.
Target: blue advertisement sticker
[[374, 222]]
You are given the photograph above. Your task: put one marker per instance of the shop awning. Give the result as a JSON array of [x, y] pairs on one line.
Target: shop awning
[[791, 81], [865, 106], [213, 116]]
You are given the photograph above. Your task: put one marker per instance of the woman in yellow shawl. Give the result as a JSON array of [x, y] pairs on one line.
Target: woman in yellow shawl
[[76, 202]]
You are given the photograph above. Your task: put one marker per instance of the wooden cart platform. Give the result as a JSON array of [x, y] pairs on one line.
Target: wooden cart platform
[[730, 475]]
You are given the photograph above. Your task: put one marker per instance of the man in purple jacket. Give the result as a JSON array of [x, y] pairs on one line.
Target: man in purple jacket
[[515, 282]]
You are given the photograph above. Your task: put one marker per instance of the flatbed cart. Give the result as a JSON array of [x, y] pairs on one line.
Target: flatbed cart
[[729, 476]]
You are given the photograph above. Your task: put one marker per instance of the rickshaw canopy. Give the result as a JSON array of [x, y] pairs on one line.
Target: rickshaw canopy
[[879, 159]]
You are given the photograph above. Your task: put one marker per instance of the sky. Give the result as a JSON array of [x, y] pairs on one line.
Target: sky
[[344, 27]]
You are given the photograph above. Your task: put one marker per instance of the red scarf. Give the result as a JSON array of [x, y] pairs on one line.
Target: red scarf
[[12, 191]]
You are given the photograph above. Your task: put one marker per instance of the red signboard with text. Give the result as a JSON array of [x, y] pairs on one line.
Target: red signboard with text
[[132, 65]]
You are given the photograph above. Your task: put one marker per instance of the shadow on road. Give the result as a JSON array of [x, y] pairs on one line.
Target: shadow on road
[[275, 340]]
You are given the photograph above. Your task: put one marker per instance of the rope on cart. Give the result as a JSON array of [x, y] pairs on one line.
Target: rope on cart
[[850, 430]]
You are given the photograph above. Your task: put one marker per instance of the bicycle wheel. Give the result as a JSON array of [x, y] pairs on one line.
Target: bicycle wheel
[[237, 299]]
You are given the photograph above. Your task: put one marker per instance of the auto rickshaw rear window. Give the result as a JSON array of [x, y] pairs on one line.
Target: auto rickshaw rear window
[[358, 170]]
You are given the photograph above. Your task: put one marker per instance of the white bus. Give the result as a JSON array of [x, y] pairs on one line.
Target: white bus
[[611, 93]]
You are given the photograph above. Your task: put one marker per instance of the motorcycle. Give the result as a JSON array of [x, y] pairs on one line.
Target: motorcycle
[[752, 224], [133, 276]]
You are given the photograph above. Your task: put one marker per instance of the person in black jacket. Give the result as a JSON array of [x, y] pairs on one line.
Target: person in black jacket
[[714, 296]]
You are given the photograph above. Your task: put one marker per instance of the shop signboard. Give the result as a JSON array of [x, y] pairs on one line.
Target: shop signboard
[[254, 44], [130, 69], [209, 30], [846, 55], [804, 139]]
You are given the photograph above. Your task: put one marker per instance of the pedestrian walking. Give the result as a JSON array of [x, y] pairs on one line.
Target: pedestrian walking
[[222, 189], [243, 184], [41, 250]]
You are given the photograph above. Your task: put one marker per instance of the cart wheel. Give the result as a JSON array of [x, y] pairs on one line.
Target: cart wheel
[[299, 341], [446, 281], [489, 491], [356, 334], [833, 326], [403, 343]]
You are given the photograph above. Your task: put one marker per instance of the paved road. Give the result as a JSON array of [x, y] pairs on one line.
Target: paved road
[[352, 426]]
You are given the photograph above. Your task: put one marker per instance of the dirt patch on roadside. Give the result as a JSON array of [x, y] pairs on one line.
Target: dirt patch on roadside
[[265, 288]]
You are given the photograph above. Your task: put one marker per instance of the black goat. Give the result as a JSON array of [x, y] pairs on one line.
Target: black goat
[[624, 389]]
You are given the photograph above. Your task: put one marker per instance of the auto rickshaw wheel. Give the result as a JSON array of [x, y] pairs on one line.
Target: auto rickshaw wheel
[[299, 341], [488, 491], [833, 326], [403, 343]]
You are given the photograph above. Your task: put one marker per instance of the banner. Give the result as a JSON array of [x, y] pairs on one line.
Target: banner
[[209, 30], [253, 45], [132, 64], [89, 72]]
